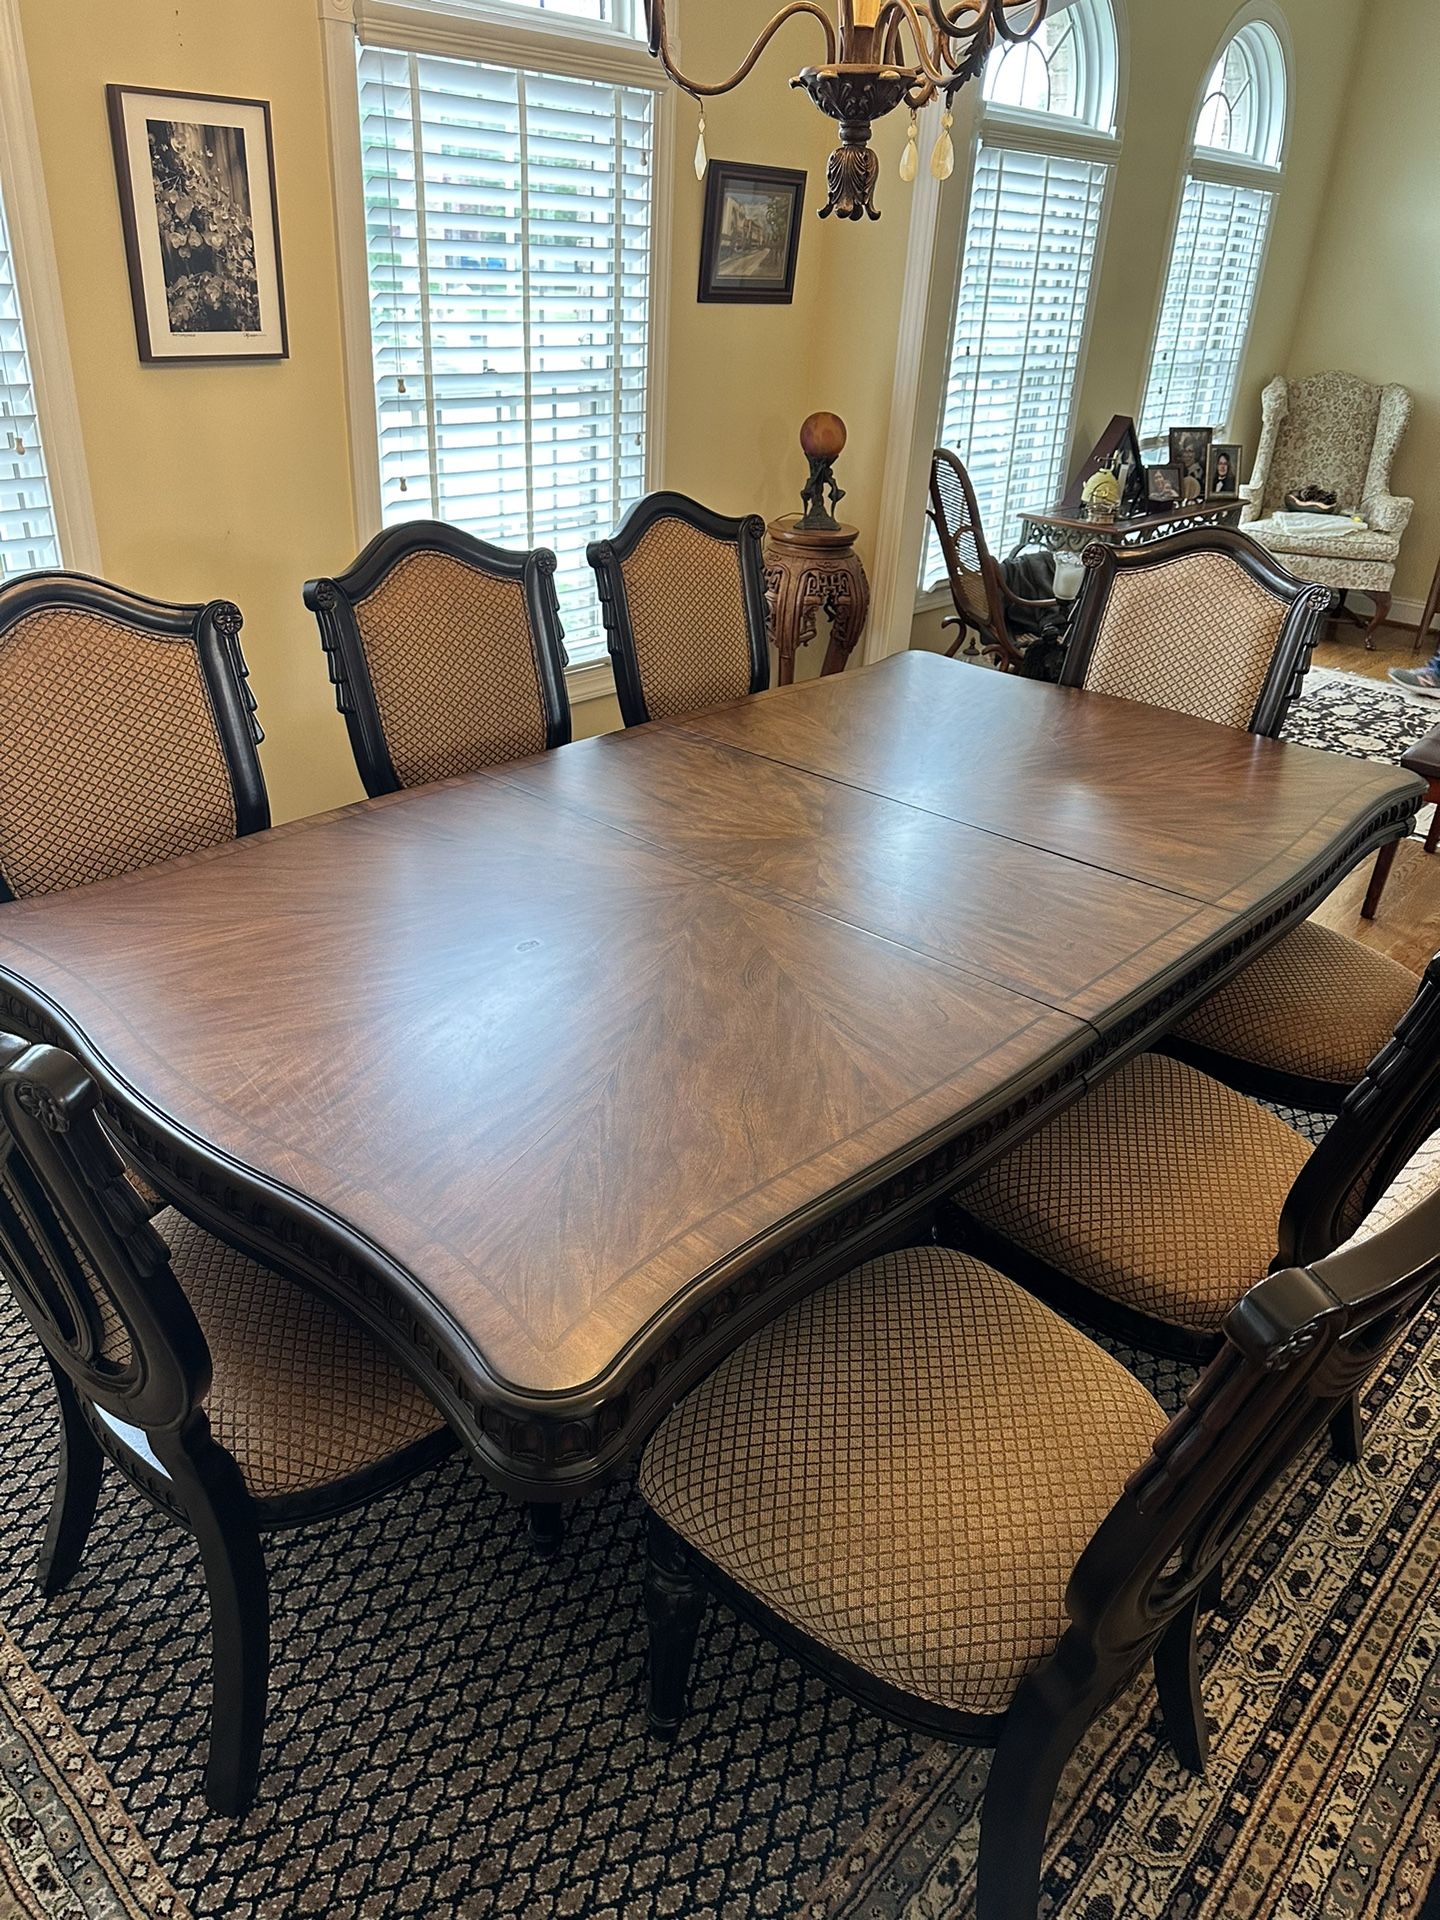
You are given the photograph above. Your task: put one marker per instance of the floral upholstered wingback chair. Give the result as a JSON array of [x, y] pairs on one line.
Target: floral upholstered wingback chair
[[1340, 433]]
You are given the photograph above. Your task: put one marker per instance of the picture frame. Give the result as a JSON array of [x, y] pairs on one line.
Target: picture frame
[[1190, 452], [750, 242], [200, 214], [1222, 470], [1119, 449], [1162, 489]]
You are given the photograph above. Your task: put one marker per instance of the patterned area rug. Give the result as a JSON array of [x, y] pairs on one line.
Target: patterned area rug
[[456, 1731], [1373, 720]]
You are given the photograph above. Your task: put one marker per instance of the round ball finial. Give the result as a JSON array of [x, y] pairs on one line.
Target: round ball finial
[[823, 437]]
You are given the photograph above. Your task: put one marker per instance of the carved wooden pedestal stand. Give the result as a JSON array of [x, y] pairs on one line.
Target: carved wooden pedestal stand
[[807, 574]]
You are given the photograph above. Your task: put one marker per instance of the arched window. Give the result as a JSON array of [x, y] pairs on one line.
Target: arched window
[[1231, 180], [1043, 163]]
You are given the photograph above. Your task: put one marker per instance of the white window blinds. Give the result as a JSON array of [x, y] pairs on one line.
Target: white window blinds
[[508, 221], [1209, 297], [1024, 294], [29, 537]]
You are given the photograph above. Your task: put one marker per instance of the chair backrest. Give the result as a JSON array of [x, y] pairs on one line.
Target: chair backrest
[[1296, 1347], [447, 655], [1333, 430], [1204, 622], [974, 576], [128, 732], [682, 590], [91, 1274], [1390, 1113]]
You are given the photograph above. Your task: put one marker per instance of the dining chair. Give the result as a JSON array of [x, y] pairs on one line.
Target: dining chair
[[932, 1490], [983, 600], [1146, 1206], [128, 729], [233, 1399], [447, 655], [682, 591], [1207, 623]]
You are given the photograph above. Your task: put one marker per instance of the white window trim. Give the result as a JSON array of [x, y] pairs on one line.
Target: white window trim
[[1205, 164], [42, 311], [430, 26], [1028, 132]]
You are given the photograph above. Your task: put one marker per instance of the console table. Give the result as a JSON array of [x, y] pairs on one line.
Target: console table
[[1069, 533]]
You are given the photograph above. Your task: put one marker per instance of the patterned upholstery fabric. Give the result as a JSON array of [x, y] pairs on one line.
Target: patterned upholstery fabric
[[1316, 1003], [1341, 433], [1161, 1189], [687, 617], [1197, 635], [452, 663], [112, 755], [906, 1466], [302, 1396], [1414, 1183]]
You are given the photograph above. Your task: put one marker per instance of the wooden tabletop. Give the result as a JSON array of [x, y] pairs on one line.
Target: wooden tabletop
[[564, 1075]]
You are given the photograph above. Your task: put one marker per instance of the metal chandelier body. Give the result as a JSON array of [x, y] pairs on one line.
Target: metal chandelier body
[[879, 55]]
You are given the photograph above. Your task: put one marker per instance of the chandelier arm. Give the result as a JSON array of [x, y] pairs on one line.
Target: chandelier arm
[[894, 15], [1006, 31], [660, 45]]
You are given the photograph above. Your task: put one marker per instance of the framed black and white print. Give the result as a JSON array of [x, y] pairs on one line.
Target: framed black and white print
[[196, 174], [751, 238]]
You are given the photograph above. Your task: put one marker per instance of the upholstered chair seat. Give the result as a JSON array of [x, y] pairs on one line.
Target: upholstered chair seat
[[1160, 1190], [1316, 1005], [905, 1467], [301, 1395]]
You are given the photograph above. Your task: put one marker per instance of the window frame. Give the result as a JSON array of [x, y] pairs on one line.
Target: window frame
[[499, 36], [1212, 166], [42, 313], [1052, 135]]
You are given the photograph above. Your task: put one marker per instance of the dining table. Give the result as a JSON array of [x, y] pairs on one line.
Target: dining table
[[567, 1075]]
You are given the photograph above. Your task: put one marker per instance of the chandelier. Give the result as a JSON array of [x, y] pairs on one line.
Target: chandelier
[[882, 54]]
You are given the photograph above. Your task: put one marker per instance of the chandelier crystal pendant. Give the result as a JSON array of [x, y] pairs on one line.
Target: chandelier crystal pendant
[[879, 55]]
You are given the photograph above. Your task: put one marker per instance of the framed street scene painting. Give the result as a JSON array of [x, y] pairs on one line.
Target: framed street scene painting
[[196, 175], [752, 234]]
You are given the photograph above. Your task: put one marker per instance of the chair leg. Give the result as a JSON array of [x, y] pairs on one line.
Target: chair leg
[[1177, 1680], [1432, 838], [1377, 619], [77, 1493], [547, 1528], [1384, 861], [239, 1591], [1347, 1433], [1037, 1739], [674, 1607]]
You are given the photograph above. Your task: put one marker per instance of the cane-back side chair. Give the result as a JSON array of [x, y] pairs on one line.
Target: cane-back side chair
[[1146, 1205], [983, 601], [682, 590], [236, 1401], [1207, 623], [128, 730], [447, 655], [934, 1491]]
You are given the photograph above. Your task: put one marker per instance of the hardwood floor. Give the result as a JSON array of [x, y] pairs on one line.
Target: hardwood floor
[[1408, 924]]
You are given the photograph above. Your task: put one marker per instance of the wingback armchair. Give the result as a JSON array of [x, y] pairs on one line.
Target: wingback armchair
[[1341, 433]]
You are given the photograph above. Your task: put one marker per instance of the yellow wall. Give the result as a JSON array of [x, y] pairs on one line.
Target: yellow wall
[[1372, 297]]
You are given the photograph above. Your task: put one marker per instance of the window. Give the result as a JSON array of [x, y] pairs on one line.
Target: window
[[1041, 175], [1226, 205], [508, 221], [29, 534]]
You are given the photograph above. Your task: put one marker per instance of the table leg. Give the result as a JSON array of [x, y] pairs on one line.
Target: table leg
[[848, 606]]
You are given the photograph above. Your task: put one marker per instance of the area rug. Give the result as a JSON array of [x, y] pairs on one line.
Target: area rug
[[68, 1849], [1371, 719]]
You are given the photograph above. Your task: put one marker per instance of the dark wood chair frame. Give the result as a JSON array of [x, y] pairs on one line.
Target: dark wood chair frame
[[1384, 1119], [61, 1188], [1306, 610], [212, 629], [608, 558], [333, 602], [993, 635], [1295, 1351]]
